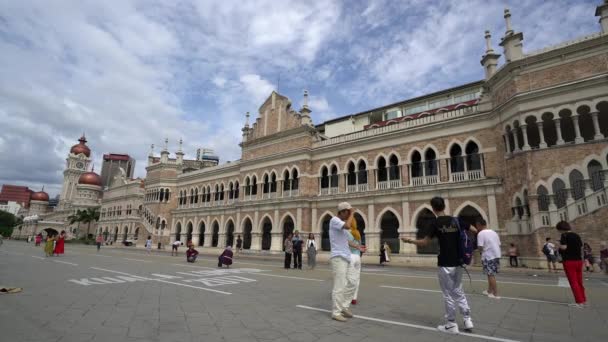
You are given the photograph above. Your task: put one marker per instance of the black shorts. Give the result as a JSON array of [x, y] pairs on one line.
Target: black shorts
[[174, 247]]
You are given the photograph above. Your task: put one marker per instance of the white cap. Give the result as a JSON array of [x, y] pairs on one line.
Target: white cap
[[344, 206]]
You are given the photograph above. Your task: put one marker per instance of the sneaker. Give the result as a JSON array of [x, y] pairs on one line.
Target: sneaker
[[339, 318], [468, 324], [347, 313], [450, 328], [484, 292], [491, 295], [353, 302], [576, 305]]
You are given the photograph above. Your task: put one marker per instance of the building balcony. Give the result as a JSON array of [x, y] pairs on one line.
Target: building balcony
[[466, 175]]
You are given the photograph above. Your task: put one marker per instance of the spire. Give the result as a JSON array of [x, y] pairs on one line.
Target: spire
[[151, 150], [179, 155], [508, 22], [246, 128], [305, 111], [512, 42], [305, 105], [83, 139], [489, 60], [602, 12], [488, 38], [164, 154], [179, 150], [247, 120], [166, 147]]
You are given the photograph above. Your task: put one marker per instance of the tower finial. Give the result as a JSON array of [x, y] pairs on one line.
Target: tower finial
[[152, 150], [488, 37], [305, 105], [166, 148], [180, 145], [247, 120], [508, 22]]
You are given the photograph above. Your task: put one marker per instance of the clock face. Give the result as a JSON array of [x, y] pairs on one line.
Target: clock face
[[80, 165]]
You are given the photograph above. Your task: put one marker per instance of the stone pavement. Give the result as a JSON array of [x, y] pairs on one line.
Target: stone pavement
[[126, 295]]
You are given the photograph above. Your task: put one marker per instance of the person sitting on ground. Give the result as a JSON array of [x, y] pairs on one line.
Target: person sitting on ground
[[225, 258], [191, 254]]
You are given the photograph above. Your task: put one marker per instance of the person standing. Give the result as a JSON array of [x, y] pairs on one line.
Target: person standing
[[450, 262], [550, 252], [297, 243], [191, 254], [570, 246], [385, 252], [60, 244], [513, 254], [311, 251], [149, 244], [489, 243], [99, 241], [38, 239], [354, 268], [49, 245], [340, 258], [174, 247], [239, 244], [604, 257], [288, 245]]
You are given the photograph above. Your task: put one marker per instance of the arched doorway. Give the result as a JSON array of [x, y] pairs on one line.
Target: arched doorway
[[424, 223], [105, 234], [125, 233], [266, 234], [247, 228], [189, 232], [288, 227], [469, 215], [216, 234], [229, 233], [136, 235], [201, 233], [178, 232], [115, 234], [325, 244], [360, 226], [389, 228]]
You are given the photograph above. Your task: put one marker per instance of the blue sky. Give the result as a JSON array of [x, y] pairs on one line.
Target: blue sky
[[130, 73]]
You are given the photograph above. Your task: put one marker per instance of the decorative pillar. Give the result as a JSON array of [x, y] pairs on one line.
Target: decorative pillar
[[516, 141], [596, 126], [541, 133], [577, 130], [524, 131], [507, 145], [558, 129], [195, 239]]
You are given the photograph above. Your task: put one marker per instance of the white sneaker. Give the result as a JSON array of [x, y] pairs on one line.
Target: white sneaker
[[484, 292], [492, 296], [468, 324], [577, 306], [449, 327]]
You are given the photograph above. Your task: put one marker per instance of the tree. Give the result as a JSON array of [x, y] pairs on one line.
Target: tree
[[75, 218], [87, 216], [8, 221]]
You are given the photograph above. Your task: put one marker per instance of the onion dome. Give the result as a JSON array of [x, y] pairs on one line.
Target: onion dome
[[90, 178], [81, 147], [40, 196]]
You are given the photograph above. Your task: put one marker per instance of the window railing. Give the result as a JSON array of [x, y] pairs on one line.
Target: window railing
[[324, 191], [352, 188], [333, 190]]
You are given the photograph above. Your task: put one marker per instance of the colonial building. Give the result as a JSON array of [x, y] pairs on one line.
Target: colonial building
[[523, 148], [121, 210]]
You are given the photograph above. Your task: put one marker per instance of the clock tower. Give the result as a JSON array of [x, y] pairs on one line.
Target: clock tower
[[78, 161]]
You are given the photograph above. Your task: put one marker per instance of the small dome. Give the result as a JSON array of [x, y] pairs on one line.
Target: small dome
[[90, 178], [81, 147], [40, 196]]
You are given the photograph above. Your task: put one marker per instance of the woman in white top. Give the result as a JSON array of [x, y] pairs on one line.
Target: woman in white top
[[311, 251], [149, 244]]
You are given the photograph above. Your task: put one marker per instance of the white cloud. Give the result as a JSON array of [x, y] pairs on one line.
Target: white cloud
[[219, 81], [257, 87]]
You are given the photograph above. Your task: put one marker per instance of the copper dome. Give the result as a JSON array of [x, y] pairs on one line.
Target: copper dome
[[81, 147], [90, 178], [40, 196]]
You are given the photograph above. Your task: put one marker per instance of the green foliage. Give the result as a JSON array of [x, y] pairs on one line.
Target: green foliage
[[8, 221], [86, 216]]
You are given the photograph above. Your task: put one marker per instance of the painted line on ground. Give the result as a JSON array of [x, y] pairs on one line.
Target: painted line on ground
[[475, 294], [410, 325], [140, 260], [65, 262], [162, 281], [289, 277], [194, 266], [474, 280], [37, 257], [101, 255], [563, 282]]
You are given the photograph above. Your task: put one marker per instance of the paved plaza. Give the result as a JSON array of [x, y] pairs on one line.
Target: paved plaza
[[126, 295]]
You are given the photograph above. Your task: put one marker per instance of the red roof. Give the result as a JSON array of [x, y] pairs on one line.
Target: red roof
[[16, 193], [115, 156], [421, 114]]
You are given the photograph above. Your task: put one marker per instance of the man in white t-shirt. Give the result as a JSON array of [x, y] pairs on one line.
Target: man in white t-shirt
[[340, 256], [174, 246], [489, 243]]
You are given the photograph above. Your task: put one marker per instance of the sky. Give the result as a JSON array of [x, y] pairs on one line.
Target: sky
[[129, 73]]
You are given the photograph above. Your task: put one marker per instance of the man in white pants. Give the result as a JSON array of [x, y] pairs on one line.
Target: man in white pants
[[340, 258], [447, 231]]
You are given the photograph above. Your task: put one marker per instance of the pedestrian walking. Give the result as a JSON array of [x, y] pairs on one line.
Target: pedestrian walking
[[311, 251], [451, 261], [513, 254], [99, 241], [174, 247], [354, 268], [297, 244], [60, 244], [385, 252], [340, 258], [588, 258], [149, 244], [191, 254], [570, 246], [489, 243], [38, 239], [288, 245], [225, 258], [550, 251], [49, 245], [604, 257], [239, 244]]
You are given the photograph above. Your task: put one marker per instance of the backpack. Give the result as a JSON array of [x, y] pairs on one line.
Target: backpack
[[467, 244], [546, 250]]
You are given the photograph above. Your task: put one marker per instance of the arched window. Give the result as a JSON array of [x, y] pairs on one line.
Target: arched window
[[286, 181], [351, 176], [577, 184], [167, 195], [191, 196], [324, 178], [231, 191], [543, 198], [362, 172], [560, 192], [430, 163], [208, 193], [273, 182], [201, 233], [266, 185], [215, 237], [196, 195], [596, 175], [416, 167], [549, 129], [393, 170], [217, 193], [247, 186], [178, 232], [221, 192], [519, 208], [567, 125], [294, 179], [389, 231], [325, 244], [473, 156], [532, 132], [162, 195], [203, 195], [236, 190], [456, 160], [334, 180], [254, 186]]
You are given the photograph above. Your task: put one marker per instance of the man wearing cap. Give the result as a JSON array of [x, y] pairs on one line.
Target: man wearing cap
[[344, 283]]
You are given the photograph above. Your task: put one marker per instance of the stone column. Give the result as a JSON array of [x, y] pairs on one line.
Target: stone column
[[208, 238], [516, 141], [276, 243], [256, 242], [524, 131], [195, 239], [558, 129], [596, 127], [541, 133], [507, 144], [570, 208], [577, 130]]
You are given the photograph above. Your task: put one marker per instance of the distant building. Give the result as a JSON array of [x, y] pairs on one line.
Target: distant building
[[206, 154], [111, 165], [16, 193], [11, 207]]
